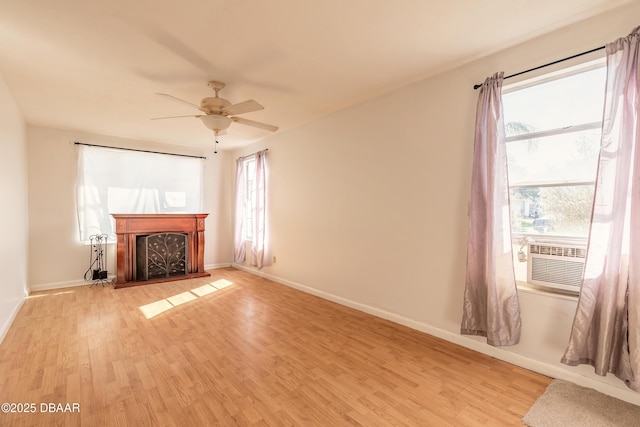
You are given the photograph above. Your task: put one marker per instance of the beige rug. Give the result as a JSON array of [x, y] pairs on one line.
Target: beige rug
[[566, 404]]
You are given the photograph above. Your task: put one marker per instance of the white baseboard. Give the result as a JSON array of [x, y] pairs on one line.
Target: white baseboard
[[65, 284], [214, 266], [473, 343], [7, 324], [110, 278]]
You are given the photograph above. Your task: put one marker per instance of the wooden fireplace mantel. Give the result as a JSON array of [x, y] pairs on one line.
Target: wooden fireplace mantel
[[128, 226]]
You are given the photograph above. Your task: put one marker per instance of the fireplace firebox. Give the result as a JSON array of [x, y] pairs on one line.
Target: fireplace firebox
[[161, 256]]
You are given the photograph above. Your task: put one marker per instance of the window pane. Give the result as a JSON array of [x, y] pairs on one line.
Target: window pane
[[559, 158], [558, 210], [567, 101]]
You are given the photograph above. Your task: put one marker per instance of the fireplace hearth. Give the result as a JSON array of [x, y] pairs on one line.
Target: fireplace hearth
[[158, 247]]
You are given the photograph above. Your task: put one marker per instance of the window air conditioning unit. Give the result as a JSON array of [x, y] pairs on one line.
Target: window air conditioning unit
[[556, 266]]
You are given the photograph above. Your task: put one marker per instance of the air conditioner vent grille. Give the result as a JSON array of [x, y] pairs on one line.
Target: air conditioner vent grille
[[562, 272], [556, 266], [561, 251]]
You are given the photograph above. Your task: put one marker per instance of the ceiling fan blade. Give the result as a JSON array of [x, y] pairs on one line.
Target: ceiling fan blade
[[178, 99], [173, 117], [242, 107], [254, 124]]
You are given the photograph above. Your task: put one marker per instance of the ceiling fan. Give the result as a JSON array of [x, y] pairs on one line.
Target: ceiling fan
[[220, 113]]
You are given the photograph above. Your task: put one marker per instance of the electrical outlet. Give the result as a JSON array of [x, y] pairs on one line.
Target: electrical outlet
[[274, 259]]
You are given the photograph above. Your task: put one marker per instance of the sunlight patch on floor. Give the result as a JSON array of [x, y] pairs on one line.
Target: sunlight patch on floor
[[155, 308], [158, 307], [50, 294], [182, 298], [204, 290], [221, 283]]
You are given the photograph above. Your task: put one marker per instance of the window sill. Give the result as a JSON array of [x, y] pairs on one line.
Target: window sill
[[547, 292], [517, 238]]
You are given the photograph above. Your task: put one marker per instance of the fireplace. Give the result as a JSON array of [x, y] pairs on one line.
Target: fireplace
[[153, 248]]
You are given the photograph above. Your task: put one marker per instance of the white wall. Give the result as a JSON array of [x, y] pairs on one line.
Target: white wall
[[369, 205], [13, 214], [57, 258]]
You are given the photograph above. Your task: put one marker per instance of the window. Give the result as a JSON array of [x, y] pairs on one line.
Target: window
[[118, 181], [552, 129], [251, 211]]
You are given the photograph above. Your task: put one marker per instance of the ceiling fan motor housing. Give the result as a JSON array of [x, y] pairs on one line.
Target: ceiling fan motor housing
[[214, 105]]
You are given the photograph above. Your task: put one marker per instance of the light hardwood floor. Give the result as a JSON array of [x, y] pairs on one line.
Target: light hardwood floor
[[236, 349]]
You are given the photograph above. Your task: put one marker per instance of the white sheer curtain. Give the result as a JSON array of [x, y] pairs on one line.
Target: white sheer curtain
[[256, 197], [111, 180], [606, 327], [239, 254], [259, 210], [491, 308]]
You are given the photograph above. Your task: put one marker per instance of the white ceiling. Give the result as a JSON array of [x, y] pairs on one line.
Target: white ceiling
[[95, 66]]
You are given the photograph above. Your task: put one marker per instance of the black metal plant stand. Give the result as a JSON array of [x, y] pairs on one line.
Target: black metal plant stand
[[97, 271]]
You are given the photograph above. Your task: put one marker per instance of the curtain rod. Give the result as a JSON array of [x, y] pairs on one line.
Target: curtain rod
[[251, 155], [141, 151], [547, 65]]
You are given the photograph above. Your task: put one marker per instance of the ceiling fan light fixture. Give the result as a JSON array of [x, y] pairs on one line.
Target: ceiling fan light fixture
[[216, 122]]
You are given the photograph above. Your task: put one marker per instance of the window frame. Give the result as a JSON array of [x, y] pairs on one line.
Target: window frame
[[520, 239]]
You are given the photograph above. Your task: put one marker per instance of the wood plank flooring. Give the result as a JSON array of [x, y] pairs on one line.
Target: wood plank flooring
[[236, 349]]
